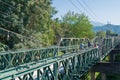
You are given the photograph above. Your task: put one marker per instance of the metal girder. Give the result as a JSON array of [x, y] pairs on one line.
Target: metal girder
[[45, 64], [15, 58], [67, 66], [72, 41], [114, 67]]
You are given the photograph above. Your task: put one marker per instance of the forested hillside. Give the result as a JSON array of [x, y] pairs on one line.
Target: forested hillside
[[30, 24], [111, 27]]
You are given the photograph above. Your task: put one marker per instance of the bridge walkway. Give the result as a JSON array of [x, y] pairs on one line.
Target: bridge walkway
[[62, 62]]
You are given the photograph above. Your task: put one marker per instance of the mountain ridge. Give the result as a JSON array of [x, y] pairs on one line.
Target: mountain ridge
[[112, 27], [97, 23]]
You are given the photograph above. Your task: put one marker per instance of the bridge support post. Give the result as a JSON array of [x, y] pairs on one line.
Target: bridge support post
[[103, 76], [92, 75], [112, 57], [55, 70]]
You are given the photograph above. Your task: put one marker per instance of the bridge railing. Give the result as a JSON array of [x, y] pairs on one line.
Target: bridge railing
[[65, 66], [15, 58], [10, 59], [106, 44], [46, 64]]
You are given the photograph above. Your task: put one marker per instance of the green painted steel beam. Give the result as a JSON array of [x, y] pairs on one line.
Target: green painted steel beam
[[72, 64], [30, 67], [15, 58]]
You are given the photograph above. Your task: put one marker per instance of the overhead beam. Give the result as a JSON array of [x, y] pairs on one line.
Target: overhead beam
[[107, 67], [115, 51]]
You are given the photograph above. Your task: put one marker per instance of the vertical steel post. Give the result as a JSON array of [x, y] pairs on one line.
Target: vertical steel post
[[103, 76], [92, 75], [55, 70]]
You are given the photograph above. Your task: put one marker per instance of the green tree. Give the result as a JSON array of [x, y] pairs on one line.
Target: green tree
[[101, 34], [31, 18], [78, 25]]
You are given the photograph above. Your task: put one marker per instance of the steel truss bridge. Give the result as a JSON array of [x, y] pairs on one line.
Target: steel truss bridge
[[62, 62]]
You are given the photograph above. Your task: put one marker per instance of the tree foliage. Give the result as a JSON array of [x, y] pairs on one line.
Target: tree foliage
[[33, 20], [72, 25], [101, 34], [78, 25]]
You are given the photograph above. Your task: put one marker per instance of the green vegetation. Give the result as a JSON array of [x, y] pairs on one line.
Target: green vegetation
[[101, 34], [78, 25], [31, 18], [88, 76], [113, 28], [34, 20]]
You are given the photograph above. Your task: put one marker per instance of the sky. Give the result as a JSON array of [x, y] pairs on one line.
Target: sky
[[103, 11]]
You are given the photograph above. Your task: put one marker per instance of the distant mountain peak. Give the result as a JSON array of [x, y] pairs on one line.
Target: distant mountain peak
[[108, 25], [112, 27], [96, 23]]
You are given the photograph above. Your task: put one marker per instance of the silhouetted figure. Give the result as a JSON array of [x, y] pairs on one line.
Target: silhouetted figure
[[89, 44]]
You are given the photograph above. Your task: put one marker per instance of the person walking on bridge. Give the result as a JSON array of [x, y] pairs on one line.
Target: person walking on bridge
[[82, 46], [89, 44]]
